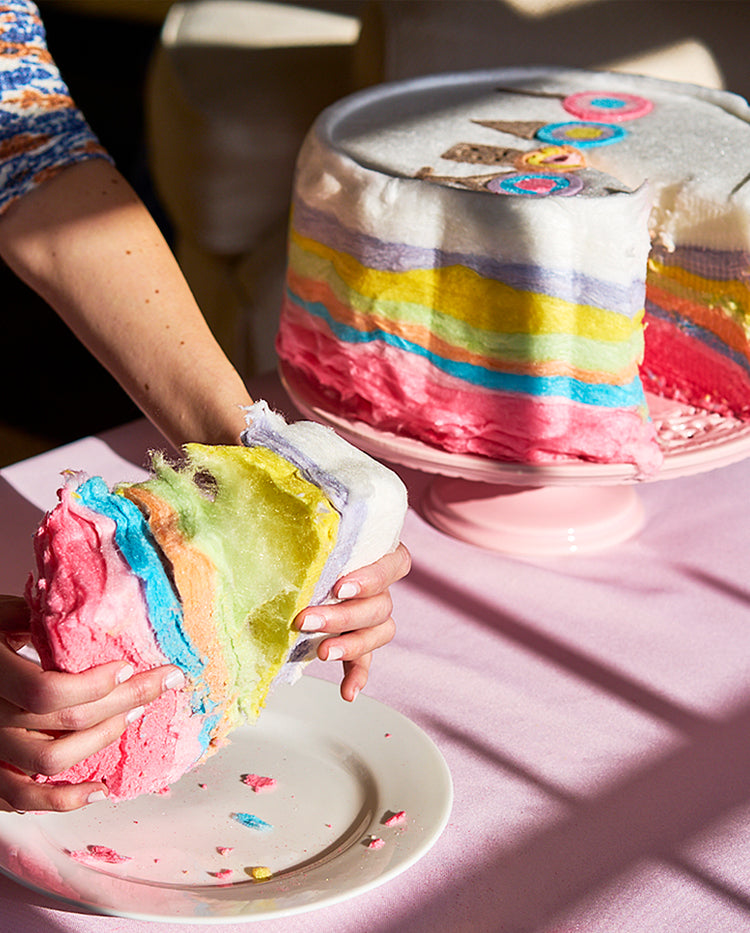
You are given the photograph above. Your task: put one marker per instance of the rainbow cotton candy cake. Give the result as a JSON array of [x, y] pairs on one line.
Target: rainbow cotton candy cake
[[205, 565], [474, 260]]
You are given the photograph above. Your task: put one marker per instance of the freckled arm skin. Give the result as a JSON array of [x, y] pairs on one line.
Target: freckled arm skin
[[86, 243]]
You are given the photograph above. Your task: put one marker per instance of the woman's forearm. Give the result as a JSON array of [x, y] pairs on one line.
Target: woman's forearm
[[86, 243]]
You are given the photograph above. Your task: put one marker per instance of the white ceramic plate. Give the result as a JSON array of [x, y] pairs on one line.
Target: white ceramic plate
[[340, 769]]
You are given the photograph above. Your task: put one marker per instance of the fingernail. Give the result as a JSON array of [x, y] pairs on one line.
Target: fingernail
[[355, 694], [174, 680], [335, 653], [95, 796], [348, 590], [134, 714], [125, 673], [312, 623]]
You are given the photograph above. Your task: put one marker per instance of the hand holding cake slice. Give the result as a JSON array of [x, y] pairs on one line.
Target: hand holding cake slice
[[205, 565]]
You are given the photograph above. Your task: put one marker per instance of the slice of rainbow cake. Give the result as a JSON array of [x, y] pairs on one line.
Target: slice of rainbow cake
[[205, 565]]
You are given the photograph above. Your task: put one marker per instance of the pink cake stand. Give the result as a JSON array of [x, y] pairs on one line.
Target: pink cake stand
[[567, 507]]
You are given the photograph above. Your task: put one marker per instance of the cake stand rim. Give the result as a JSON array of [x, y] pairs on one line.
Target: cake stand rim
[[689, 456]]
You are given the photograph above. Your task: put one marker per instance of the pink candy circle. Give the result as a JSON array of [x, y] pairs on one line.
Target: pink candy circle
[[614, 107]]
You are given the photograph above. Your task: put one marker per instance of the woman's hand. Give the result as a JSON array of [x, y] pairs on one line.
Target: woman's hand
[[361, 622], [50, 721]]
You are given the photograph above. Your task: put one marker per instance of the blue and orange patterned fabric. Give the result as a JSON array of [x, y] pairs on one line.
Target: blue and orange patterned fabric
[[41, 129]]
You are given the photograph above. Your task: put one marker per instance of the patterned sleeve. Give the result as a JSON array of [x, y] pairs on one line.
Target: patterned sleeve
[[41, 129]]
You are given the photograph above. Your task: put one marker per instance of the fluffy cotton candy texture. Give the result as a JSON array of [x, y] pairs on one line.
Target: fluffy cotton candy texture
[[382, 225], [88, 608], [91, 605], [366, 494], [266, 531], [244, 535]]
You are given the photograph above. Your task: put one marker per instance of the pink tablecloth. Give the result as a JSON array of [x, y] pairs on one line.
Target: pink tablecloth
[[594, 712]]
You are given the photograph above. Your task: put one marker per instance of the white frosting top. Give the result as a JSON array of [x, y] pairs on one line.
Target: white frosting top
[[685, 150]]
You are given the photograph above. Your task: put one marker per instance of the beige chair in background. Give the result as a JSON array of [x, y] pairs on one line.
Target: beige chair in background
[[233, 88]]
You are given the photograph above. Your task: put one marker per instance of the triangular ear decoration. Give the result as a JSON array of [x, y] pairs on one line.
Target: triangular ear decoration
[[524, 129], [472, 182], [479, 154], [530, 92]]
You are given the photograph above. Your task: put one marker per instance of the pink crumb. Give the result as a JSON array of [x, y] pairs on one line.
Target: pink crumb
[[258, 783], [395, 819], [100, 853], [203, 786], [224, 850], [375, 842], [222, 873]]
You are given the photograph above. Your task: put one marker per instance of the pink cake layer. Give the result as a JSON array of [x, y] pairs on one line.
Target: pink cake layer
[[94, 612], [689, 370]]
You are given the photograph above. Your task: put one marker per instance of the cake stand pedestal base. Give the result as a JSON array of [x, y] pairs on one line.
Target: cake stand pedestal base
[[533, 521]]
